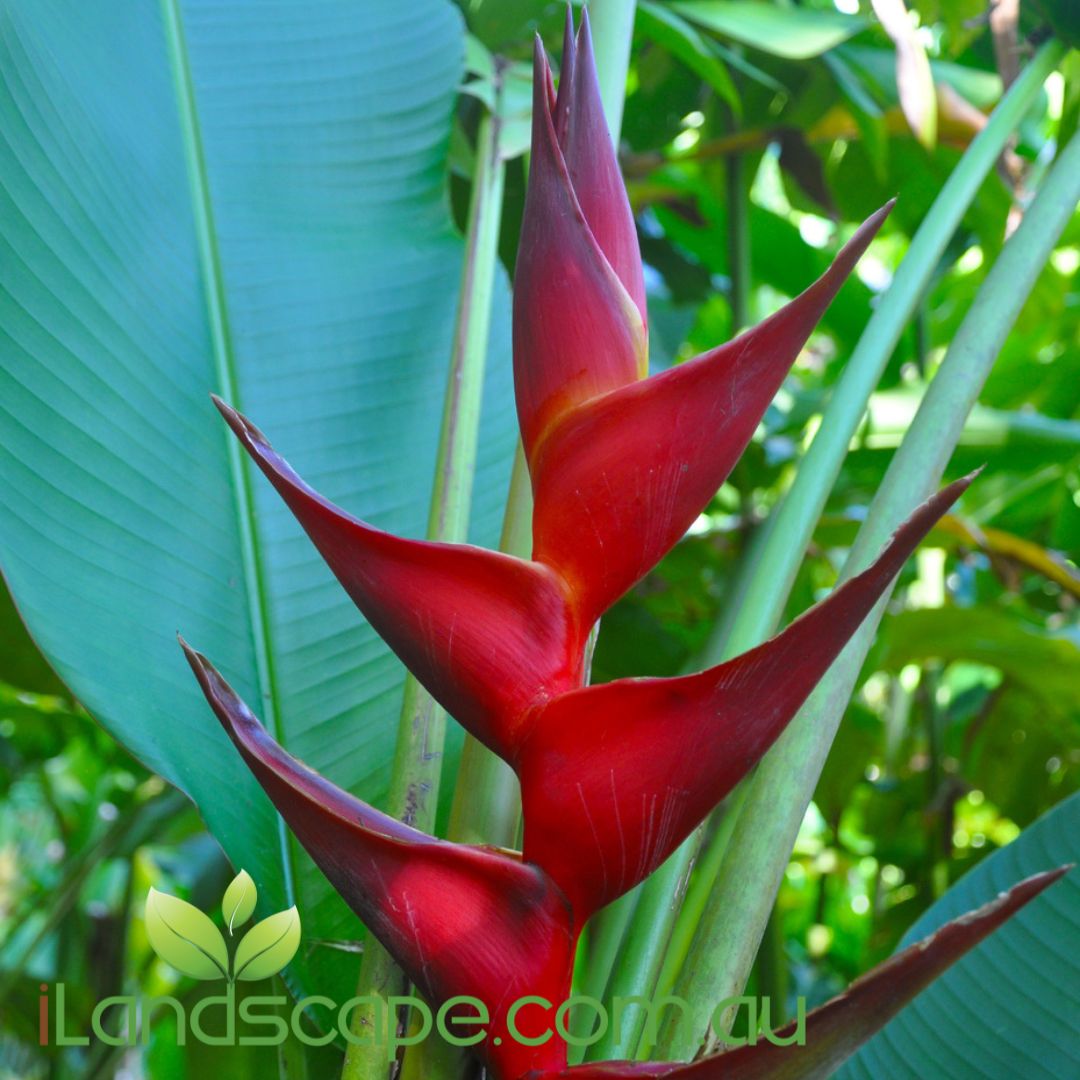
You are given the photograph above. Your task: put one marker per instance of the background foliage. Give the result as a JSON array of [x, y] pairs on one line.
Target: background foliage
[[338, 275]]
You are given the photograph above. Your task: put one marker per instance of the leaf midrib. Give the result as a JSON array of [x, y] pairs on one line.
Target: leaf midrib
[[228, 387]]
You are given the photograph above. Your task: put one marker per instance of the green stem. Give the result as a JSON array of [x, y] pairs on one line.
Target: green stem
[[486, 806], [783, 785], [414, 782], [641, 955], [801, 508]]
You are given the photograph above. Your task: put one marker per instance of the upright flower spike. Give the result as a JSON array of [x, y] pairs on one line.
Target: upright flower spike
[[487, 634], [613, 777], [460, 921], [642, 761], [577, 330]]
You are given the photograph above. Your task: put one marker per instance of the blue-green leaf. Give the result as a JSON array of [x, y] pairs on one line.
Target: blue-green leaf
[[246, 198]]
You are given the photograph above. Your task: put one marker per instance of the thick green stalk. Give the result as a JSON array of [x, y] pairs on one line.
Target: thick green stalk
[[798, 513], [780, 790], [414, 785], [486, 805], [641, 955]]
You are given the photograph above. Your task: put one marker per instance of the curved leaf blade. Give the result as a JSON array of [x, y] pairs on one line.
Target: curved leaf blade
[[324, 233], [978, 1018]]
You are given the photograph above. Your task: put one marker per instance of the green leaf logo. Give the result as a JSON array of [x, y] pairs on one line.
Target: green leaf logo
[[239, 901], [268, 946], [188, 940], [184, 937]]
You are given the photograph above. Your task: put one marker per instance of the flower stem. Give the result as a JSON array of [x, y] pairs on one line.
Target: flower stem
[[414, 783], [779, 792], [486, 808]]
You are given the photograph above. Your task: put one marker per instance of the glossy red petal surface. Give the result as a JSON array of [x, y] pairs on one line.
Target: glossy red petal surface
[[577, 332], [486, 634], [458, 920], [842, 1025], [594, 169], [615, 777], [621, 478]]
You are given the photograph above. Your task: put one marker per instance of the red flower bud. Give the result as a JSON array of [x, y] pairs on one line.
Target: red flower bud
[[578, 331], [592, 165], [615, 777]]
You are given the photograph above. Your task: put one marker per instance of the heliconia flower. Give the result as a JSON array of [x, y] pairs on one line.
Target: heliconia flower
[[837, 1028], [613, 777], [617, 482], [620, 470], [642, 761], [459, 920]]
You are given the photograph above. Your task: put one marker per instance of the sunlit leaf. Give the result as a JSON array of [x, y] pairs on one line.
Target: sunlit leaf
[[914, 82], [795, 33]]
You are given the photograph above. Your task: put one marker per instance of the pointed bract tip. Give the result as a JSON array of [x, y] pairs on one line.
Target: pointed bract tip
[[584, 33], [568, 32], [242, 427]]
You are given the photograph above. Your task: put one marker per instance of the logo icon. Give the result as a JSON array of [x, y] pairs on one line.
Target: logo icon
[[187, 938]]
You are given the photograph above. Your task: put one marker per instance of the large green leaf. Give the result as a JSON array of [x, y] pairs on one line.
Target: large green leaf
[[1009, 1007], [248, 198], [1045, 664], [795, 33]]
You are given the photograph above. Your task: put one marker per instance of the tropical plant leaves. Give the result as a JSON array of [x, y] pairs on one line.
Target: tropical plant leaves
[[792, 32], [249, 199], [980, 1017]]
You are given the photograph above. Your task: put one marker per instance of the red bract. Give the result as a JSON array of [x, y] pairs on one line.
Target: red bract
[[461, 921], [641, 761], [613, 777]]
